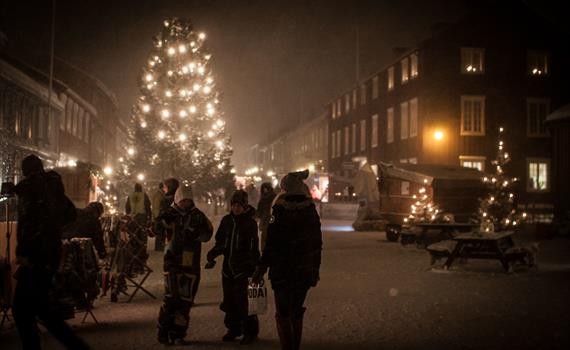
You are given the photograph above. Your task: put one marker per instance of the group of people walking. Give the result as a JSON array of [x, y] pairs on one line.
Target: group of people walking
[[285, 225], [291, 243]]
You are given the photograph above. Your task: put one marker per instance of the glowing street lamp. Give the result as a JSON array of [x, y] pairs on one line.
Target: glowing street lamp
[[108, 170], [438, 135]]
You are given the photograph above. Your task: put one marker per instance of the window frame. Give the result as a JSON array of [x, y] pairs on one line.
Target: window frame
[[404, 120], [469, 52], [413, 117], [473, 98], [375, 87], [363, 135], [538, 161], [363, 94], [390, 125], [535, 54], [391, 80], [404, 70], [333, 144], [353, 138], [481, 159], [536, 101], [414, 66], [374, 131]]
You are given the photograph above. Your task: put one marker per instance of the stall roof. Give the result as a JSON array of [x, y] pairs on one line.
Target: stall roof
[[426, 173], [561, 114]]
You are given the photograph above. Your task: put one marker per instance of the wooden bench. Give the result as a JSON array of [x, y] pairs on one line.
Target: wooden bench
[[474, 245], [424, 234]]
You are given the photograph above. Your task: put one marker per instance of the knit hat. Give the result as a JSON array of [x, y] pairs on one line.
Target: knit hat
[[239, 197], [292, 183], [183, 192]]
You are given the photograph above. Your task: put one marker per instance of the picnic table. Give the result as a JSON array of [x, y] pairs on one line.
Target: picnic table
[[445, 230], [477, 245]]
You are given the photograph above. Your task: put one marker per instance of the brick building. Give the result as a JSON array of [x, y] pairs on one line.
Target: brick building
[[443, 101]]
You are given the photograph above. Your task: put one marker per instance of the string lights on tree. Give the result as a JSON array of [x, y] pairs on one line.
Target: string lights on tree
[[177, 127], [497, 211], [423, 210]]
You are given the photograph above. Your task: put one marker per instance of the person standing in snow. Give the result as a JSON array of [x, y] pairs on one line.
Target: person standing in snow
[[236, 240], [186, 229], [138, 206], [169, 188], [43, 210], [264, 209], [293, 255], [155, 199]]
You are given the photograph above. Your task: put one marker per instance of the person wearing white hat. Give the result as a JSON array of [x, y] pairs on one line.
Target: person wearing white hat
[[187, 228]]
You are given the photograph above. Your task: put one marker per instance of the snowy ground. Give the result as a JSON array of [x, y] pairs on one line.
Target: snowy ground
[[373, 294]]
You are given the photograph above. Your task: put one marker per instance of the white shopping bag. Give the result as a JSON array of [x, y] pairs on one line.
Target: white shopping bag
[[256, 298]]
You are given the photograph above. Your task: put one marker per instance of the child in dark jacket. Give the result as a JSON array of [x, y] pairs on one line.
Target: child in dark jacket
[[237, 241]]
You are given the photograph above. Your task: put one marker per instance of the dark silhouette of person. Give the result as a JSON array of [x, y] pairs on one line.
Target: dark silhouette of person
[[43, 209], [293, 255]]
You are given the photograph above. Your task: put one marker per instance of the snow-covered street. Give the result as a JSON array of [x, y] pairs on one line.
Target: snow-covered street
[[373, 294]]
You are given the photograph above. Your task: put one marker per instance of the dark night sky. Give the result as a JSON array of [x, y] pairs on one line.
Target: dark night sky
[[277, 62]]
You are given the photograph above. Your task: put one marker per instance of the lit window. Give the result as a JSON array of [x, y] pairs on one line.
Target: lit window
[[475, 162], [404, 118], [346, 140], [413, 117], [413, 160], [333, 145], [390, 78], [374, 135], [363, 135], [405, 71], [347, 103], [404, 160], [472, 115], [390, 125], [472, 60], [375, 87], [538, 175], [333, 110], [338, 107], [414, 65], [537, 110], [537, 64], [363, 94], [338, 143], [353, 143]]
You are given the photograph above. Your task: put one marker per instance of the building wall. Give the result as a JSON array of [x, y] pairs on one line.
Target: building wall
[[506, 86]]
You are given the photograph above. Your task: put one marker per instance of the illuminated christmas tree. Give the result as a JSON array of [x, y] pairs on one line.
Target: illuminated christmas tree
[[177, 126], [497, 211], [423, 210]]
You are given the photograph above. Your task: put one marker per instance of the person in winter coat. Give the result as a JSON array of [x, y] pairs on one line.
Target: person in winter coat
[[43, 209], [169, 188], [293, 255], [155, 199], [88, 225], [236, 240], [186, 229], [264, 209], [138, 205]]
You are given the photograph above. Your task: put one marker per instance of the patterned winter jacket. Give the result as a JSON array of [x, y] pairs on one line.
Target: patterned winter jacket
[[186, 231]]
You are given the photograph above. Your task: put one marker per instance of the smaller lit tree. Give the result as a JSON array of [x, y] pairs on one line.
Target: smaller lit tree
[[423, 210], [497, 210]]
